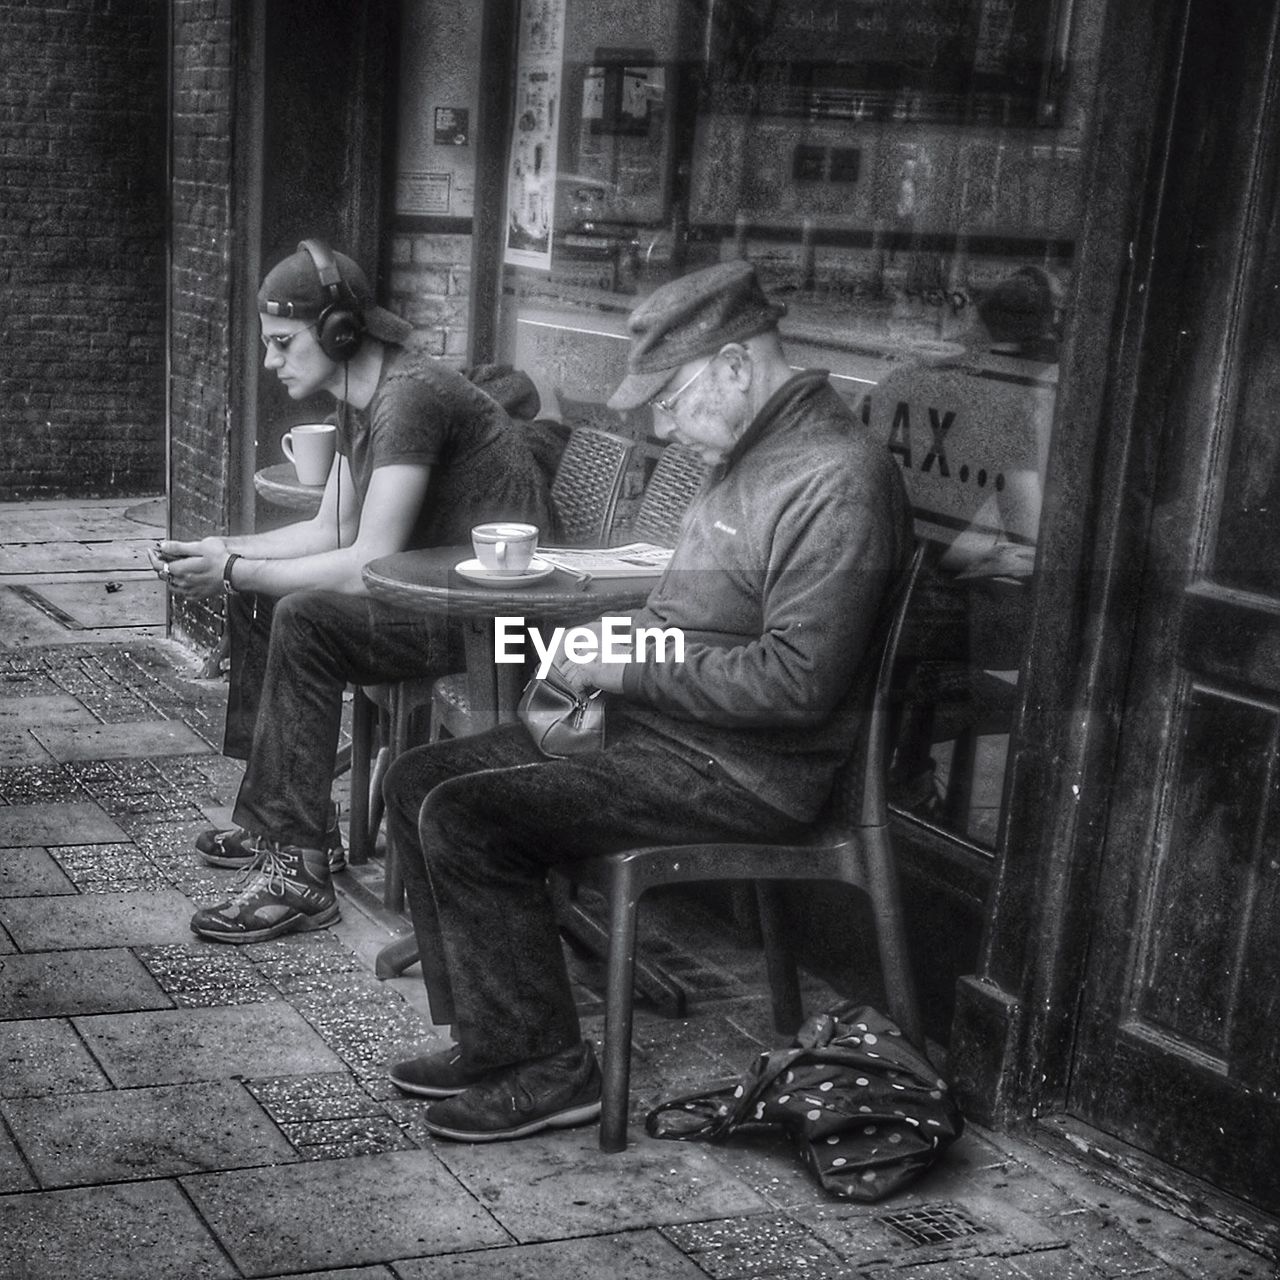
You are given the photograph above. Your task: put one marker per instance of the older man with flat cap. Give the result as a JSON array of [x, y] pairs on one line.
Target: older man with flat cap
[[777, 583]]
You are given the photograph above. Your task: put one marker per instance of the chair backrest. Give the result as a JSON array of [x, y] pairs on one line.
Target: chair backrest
[[677, 477], [584, 493], [859, 797]]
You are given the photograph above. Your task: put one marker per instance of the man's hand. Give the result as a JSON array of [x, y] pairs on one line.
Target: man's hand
[[190, 568], [583, 676]]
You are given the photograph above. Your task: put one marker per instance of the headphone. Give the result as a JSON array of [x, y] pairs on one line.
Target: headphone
[[340, 327]]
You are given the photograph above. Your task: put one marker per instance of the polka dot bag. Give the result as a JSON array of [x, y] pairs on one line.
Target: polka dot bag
[[866, 1109]]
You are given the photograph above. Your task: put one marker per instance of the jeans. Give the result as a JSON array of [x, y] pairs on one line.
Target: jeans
[[291, 663], [477, 822]]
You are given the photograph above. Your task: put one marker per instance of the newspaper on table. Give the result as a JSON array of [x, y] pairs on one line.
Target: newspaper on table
[[632, 560]]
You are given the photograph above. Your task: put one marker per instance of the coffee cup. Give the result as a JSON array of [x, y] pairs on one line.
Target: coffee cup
[[504, 546], [310, 448]]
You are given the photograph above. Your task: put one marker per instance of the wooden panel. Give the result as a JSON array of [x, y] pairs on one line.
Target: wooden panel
[[1208, 872]]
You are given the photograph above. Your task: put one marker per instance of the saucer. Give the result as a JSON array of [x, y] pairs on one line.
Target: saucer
[[474, 571]]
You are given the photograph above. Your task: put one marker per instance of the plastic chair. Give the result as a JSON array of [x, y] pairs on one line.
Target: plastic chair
[[851, 844], [584, 498], [675, 481]]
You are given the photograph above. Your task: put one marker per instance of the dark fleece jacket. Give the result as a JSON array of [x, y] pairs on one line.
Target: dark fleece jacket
[[778, 583]]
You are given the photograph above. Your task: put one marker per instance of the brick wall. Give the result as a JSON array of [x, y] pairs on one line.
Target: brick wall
[[82, 135], [431, 286], [200, 378]]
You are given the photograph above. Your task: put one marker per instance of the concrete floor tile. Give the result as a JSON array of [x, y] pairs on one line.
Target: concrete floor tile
[[139, 739], [97, 920], [562, 1184], [6, 943], [67, 983], [174, 1046], [40, 558], [27, 873], [72, 822], [130, 1231], [45, 1056], [120, 599], [19, 747], [14, 1174], [341, 1213], [345, 1273], [43, 709], [122, 1135], [632, 1253]]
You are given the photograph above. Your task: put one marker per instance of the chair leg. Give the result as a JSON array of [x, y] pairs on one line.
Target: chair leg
[[895, 965], [623, 908], [362, 745], [396, 957], [780, 963]]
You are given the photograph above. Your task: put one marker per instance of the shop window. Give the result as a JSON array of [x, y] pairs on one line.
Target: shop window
[[906, 176]]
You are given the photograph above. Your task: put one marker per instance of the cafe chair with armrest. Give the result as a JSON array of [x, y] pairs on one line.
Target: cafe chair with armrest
[[850, 844], [584, 498]]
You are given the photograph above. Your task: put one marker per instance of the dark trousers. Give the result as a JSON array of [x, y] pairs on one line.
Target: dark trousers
[[478, 821], [289, 667]]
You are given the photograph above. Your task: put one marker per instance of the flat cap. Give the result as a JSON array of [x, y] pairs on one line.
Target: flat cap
[[691, 317]]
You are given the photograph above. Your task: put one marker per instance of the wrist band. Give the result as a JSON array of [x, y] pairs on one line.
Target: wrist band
[[227, 588]]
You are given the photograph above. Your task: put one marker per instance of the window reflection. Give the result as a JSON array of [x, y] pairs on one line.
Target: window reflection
[[905, 176]]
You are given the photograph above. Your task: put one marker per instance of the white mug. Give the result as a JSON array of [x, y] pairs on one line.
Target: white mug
[[310, 448], [504, 545]]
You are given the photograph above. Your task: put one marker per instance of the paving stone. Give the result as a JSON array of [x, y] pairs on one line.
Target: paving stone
[[6, 943], [20, 747], [125, 741], [174, 1046], [40, 785], [67, 983], [25, 825], [345, 1273], [305, 1099], [133, 600], [14, 1174], [47, 709], [97, 920], [109, 868], [26, 873], [402, 1204], [624, 1255], [143, 1133], [129, 1231], [197, 975], [562, 1184], [45, 1056], [74, 557], [338, 1139]]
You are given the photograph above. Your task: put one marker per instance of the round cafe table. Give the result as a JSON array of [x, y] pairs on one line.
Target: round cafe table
[[426, 580], [279, 485]]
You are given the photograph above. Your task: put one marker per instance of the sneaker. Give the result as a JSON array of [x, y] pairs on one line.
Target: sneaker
[[237, 848], [286, 891], [514, 1102], [436, 1075]]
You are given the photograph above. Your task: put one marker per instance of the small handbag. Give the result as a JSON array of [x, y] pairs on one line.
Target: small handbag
[[561, 721]]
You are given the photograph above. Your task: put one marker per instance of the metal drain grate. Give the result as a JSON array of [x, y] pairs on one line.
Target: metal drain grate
[[931, 1223]]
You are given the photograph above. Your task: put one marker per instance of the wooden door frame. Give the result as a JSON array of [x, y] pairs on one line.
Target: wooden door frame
[[1015, 1016]]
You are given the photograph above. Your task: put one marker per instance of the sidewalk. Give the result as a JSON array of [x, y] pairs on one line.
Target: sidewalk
[[172, 1108]]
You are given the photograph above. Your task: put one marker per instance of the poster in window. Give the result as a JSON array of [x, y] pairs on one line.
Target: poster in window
[[533, 165]]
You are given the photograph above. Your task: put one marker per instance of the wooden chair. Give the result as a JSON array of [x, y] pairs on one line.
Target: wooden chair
[[851, 845]]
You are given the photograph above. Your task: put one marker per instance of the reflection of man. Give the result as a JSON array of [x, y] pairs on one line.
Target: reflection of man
[[422, 456], [777, 585]]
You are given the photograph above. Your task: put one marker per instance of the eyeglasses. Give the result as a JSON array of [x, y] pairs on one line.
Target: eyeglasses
[[668, 403], [280, 341]]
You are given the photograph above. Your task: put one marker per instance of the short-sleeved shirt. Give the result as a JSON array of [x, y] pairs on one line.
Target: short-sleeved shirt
[[425, 413]]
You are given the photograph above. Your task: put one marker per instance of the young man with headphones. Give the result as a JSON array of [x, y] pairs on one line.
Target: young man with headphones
[[422, 456]]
